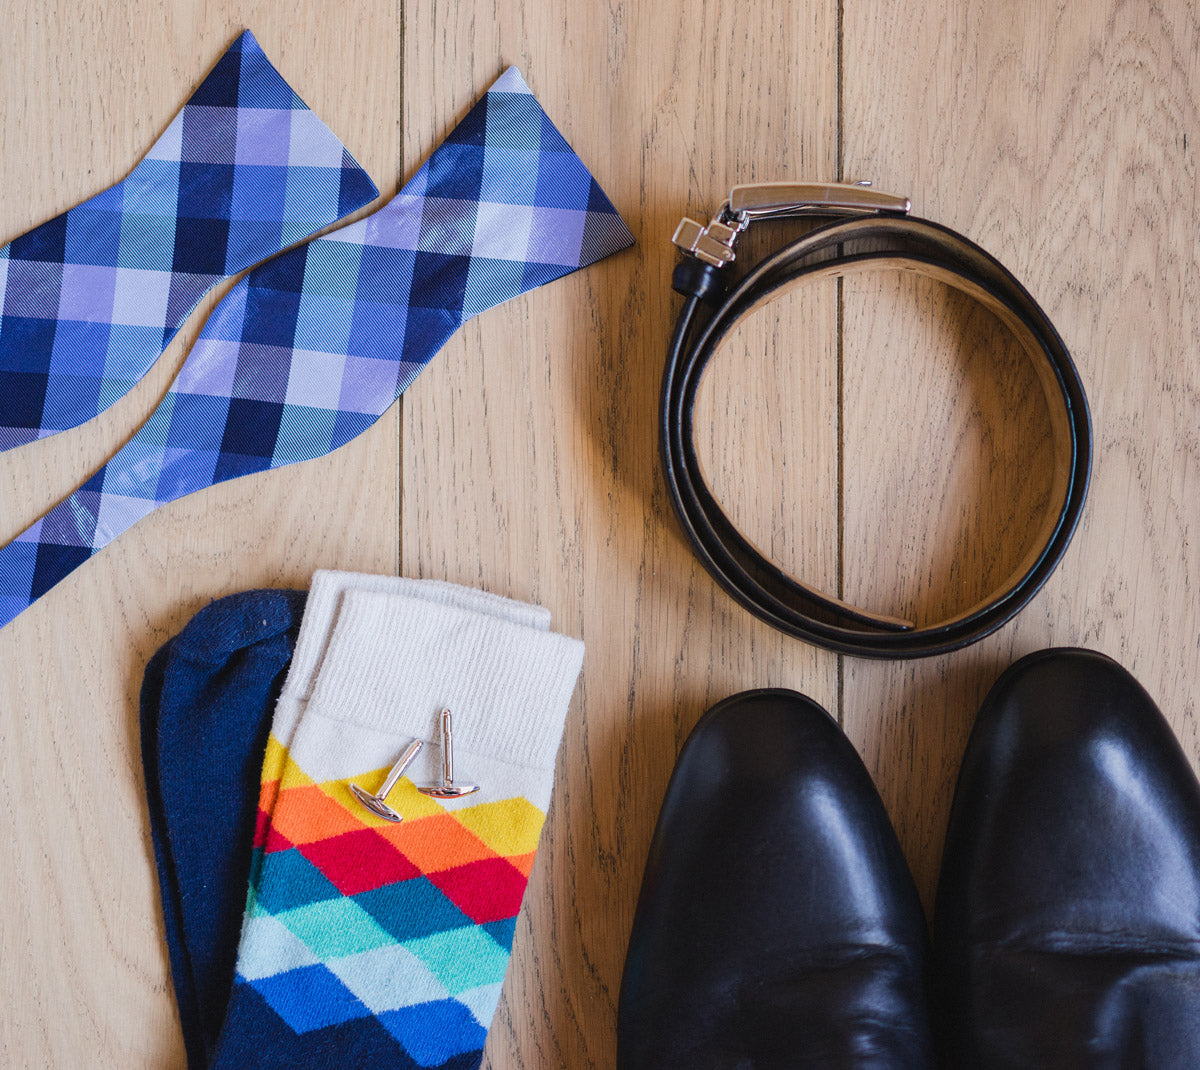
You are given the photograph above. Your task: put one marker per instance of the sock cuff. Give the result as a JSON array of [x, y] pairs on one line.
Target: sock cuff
[[394, 662], [225, 626], [325, 599]]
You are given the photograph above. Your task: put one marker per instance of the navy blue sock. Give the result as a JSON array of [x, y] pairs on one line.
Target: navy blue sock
[[206, 707]]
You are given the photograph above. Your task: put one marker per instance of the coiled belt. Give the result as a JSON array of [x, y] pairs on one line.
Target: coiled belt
[[873, 230]]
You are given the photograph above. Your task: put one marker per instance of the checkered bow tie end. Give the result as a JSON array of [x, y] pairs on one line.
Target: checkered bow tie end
[[90, 299], [312, 347]]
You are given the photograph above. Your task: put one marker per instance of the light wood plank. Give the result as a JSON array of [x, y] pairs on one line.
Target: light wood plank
[[530, 450], [85, 88], [1055, 136]]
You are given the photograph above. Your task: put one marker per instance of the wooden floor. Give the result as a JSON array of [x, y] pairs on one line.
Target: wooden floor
[[885, 439]]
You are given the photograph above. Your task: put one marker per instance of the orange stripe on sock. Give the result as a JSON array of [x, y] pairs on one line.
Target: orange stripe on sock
[[306, 814], [524, 863]]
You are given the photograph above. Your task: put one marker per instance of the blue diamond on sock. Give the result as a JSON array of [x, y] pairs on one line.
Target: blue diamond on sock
[[434, 1032], [411, 909], [501, 931], [467, 1060], [309, 998], [255, 1036], [291, 880]]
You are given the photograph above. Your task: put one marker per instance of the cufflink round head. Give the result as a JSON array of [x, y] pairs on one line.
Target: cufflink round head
[[448, 791]]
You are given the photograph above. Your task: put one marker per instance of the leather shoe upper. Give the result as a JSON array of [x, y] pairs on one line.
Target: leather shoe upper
[[778, 925], [1067, 927]]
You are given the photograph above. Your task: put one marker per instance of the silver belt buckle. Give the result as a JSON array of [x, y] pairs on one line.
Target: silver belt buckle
[[776, 200]]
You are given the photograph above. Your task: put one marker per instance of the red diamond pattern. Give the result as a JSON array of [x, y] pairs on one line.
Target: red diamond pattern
[[273, 839], [359, 861], [488, 890]]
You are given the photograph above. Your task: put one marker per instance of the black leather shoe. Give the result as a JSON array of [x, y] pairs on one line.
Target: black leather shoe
[[1067, 929], [778, 925]]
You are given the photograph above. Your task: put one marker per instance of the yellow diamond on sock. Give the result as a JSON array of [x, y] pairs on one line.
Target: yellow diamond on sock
[[509, 827], [410, 803], [293, 776], [274, 759], [404, 798]]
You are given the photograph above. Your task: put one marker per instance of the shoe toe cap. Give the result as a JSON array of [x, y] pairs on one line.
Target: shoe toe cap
[[775, 897]]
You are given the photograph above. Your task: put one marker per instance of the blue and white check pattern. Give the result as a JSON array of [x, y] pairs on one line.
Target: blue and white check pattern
[[90, 299], [311, 348]]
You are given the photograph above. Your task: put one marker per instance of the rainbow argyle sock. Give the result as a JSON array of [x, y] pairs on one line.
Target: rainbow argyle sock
[[367, 942]]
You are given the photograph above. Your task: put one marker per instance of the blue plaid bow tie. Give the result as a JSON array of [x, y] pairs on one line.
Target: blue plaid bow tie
[[311, 348], [90, 299]]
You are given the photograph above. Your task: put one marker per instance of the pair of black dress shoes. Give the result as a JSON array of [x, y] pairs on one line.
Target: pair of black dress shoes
[[778, 924]]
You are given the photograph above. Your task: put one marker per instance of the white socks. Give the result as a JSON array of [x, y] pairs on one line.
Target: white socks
[[362, 936]]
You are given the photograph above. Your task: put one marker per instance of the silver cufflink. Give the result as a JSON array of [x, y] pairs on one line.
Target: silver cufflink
[[377, 804], [447, 789]]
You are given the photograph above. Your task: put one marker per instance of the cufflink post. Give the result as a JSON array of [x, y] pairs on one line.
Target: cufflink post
[[377, 803], [447, 789]]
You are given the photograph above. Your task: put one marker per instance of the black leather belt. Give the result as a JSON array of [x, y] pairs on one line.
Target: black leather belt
[[873, 230]]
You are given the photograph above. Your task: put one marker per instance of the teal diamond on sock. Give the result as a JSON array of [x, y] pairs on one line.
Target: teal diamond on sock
[[461, 958], [338, 927]]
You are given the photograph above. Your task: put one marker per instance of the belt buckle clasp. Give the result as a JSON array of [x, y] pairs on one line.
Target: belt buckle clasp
[[714, 243]]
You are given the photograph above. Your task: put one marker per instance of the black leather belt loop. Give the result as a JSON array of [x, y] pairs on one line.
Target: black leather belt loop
[[872, 231]]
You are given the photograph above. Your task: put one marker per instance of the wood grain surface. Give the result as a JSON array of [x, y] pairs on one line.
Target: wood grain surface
[[880, 436]]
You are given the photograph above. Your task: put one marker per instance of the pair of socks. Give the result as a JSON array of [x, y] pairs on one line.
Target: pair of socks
[[361, 942]]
